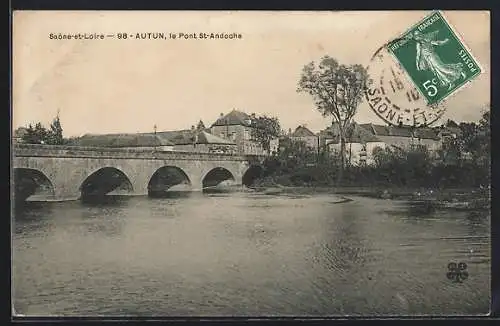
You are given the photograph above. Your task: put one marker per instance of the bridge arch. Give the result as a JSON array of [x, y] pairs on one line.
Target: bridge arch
[[105, 180], [29, 182], [165, 178], [215, 176], [253, 173]]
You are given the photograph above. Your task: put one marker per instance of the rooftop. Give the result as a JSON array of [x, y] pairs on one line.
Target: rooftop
[[302, 131], [234, 117], [357, 134], [121, 140], [164, 138], [405, 131], [187, 136]]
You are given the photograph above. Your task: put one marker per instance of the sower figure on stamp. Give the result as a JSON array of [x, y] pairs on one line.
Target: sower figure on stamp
[[427, 59]]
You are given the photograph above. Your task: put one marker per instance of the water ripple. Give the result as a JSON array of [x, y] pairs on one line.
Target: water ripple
[[248, 254]]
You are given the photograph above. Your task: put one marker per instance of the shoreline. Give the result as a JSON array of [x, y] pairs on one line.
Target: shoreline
[[397, 193], [458, 199]]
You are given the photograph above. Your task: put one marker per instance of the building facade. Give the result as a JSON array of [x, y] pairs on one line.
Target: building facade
[[405, 137], [359, 145], [362, 139], [305, 135], [236, 126]]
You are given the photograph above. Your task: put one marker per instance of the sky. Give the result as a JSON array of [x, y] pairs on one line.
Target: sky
[[121, 86]]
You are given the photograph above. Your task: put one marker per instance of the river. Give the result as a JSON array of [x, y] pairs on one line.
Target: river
[[247, 254]]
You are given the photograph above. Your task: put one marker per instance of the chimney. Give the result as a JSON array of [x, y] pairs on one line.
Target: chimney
[[221, 115], [289, 131]]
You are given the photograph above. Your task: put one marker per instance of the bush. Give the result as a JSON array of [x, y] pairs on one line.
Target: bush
[[394, 167]]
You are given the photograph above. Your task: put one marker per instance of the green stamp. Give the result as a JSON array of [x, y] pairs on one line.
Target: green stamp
[[436, 60]]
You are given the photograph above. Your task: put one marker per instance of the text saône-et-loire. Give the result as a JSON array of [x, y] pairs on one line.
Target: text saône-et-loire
[[145, 36]]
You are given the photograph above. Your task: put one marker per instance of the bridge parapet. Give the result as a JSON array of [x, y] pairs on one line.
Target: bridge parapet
[[35, 150]]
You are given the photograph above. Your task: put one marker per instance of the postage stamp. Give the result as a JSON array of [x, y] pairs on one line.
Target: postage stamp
[[435, 58]]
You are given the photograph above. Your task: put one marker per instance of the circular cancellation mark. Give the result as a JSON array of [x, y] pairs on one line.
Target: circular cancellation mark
[[393, 96]]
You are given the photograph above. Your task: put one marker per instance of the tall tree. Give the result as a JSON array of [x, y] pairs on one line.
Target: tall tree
[[483, 141], [41, 135], [56, 132], [467, 139], [200, 126], [337, 91], [484, 122], [265, 129]]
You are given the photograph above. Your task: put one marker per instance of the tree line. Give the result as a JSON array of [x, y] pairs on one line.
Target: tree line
[[461, 161], [38, 134]]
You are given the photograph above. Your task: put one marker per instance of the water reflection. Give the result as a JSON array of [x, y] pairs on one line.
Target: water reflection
[[31, 211], [31, 217], [105, 201], [173, 194], [247, 254]]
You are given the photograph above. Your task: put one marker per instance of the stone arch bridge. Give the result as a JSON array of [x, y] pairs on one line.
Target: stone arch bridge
[[69, 173]]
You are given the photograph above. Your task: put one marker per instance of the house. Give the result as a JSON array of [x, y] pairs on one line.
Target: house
[[362, 139], [237, 127], [404, 137], [305, 135], [125, 141], [359, 145], [199, 141]]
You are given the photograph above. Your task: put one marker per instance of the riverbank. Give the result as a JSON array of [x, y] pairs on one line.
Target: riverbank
[[462, 198]]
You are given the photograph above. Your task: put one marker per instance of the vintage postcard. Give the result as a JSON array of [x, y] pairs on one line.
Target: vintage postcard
[[252, 164]]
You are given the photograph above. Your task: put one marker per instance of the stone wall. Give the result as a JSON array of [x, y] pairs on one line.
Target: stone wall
[[22, 150]]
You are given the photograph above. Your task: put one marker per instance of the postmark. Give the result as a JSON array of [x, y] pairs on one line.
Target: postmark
[[394, 98], [435, 58]]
